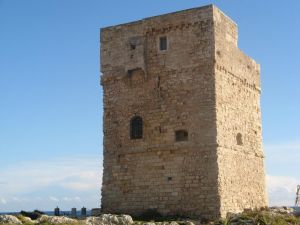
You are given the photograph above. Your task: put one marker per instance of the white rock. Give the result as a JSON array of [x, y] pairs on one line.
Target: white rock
[[282, 210], [125, 219], [188, 223], [109, 219], [149, 223], [9, 219], [28, 220], [55, 219], [43, 218], [174, 223]]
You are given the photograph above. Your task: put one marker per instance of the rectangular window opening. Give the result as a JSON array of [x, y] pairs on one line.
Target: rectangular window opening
[[132, 46], [181, 135], [163, 43]]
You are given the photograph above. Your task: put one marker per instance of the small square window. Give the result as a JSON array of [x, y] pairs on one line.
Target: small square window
[[181, 135], [163, 44]]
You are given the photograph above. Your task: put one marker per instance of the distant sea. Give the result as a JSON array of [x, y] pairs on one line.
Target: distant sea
[[297, 209]]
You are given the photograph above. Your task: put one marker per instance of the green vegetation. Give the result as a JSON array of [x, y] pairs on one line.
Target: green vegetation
[[32, 215], [249, 217], [154, 216], [24, 220], [264, 217]]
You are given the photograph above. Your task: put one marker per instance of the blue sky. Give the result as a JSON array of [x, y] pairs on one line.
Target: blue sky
[[51, 100]]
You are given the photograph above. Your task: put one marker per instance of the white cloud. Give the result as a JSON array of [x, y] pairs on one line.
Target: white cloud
[[3, 201], [289, 184], [79, 186], [282, 190], [16, 199], [71, 199], [54, 199], [76, 173], [283, 159], [41, 184]]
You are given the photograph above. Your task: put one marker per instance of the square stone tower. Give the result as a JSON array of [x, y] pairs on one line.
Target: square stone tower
[[182, 118]]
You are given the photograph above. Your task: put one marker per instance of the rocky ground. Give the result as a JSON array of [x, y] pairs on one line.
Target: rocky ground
[[271, 216]]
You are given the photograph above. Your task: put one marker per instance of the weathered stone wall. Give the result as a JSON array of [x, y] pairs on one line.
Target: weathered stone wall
[[179, 89], [239, 132]]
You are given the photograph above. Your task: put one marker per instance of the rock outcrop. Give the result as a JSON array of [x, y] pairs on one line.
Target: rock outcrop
[[55, 220], [282, 210], [109, 219], [9, 219]]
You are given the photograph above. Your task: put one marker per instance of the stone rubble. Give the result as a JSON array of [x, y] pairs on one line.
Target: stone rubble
[[109, 219], [55, 219], [9, 219], [282, 210]]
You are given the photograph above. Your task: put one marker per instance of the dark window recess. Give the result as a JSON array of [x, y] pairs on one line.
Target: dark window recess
[[239, 139], [169, 178], [132, 46], [181, 135], [163, 44], [136, 127]]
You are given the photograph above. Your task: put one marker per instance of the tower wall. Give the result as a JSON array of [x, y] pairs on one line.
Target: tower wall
[[239, 131]]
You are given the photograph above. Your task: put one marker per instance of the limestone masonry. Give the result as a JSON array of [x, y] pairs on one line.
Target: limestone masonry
[[182, 117]]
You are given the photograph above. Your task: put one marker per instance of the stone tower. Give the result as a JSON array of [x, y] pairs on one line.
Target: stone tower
[[182, 117]]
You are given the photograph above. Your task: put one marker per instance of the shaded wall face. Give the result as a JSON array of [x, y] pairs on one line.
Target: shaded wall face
[[239, 132], [171, 90]]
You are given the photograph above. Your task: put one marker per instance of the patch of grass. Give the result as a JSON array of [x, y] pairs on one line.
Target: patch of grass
[[260, 217], [24, 220]]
